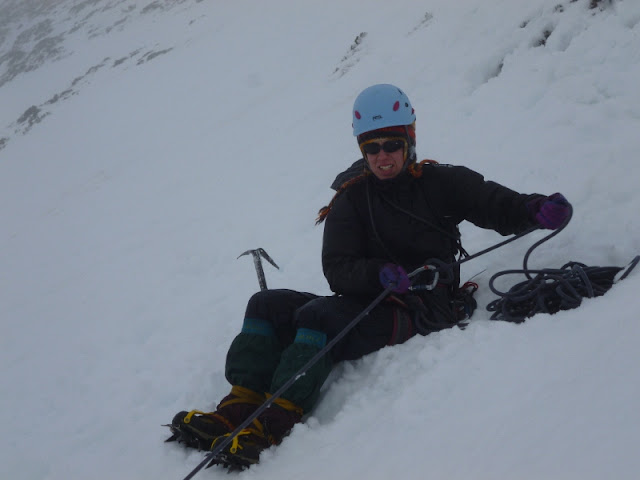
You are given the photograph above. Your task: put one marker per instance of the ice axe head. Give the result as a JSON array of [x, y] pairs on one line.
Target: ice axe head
[[258, 254]]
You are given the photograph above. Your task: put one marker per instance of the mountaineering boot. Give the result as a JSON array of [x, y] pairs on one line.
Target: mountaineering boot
[[198, 429], [279, 419], [268, 429]]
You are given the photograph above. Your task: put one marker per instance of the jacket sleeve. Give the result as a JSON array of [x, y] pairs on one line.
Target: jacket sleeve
[[344, 260], [486, 204]]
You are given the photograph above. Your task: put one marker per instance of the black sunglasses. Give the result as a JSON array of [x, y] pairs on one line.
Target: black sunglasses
[[389, 146]]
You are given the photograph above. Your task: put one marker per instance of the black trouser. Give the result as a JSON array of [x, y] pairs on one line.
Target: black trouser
[[283, 329]]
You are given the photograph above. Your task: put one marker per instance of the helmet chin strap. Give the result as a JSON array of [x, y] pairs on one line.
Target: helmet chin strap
[[410, 155], [411, 148]]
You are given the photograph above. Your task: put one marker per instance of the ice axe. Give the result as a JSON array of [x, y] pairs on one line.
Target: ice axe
[[258, 255]]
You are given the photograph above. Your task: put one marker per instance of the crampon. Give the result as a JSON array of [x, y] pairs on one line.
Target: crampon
[[243, 451]]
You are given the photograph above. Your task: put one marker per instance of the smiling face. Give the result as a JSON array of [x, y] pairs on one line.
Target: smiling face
[[385, 156]]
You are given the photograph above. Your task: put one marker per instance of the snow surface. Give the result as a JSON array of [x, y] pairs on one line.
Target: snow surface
[[191, 131]]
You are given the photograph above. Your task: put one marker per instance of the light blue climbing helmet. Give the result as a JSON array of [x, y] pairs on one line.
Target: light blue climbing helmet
[[381, 106]]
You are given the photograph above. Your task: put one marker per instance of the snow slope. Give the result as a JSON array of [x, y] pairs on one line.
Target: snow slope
[[143, 147]]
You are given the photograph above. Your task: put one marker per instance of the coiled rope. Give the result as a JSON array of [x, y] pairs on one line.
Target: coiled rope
[[550, 290], [544, 291]]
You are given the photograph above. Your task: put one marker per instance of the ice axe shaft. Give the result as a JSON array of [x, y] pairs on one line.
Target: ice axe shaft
[[258, 254]]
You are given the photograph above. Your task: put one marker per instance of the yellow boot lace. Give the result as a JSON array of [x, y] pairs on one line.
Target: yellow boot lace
[[255, 429]]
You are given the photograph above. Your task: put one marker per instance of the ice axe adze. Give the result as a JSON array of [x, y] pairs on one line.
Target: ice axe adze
[[258, 254]]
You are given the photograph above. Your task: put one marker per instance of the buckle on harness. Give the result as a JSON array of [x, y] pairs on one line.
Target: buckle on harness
[[428, 286]]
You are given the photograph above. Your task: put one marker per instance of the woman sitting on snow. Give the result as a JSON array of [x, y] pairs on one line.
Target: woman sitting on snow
[[390, 215]]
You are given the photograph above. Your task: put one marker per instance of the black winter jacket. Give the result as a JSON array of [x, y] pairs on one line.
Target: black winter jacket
[[401, 220]]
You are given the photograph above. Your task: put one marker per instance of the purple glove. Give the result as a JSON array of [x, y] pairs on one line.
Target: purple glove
[[550, 212], [392, 275]]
